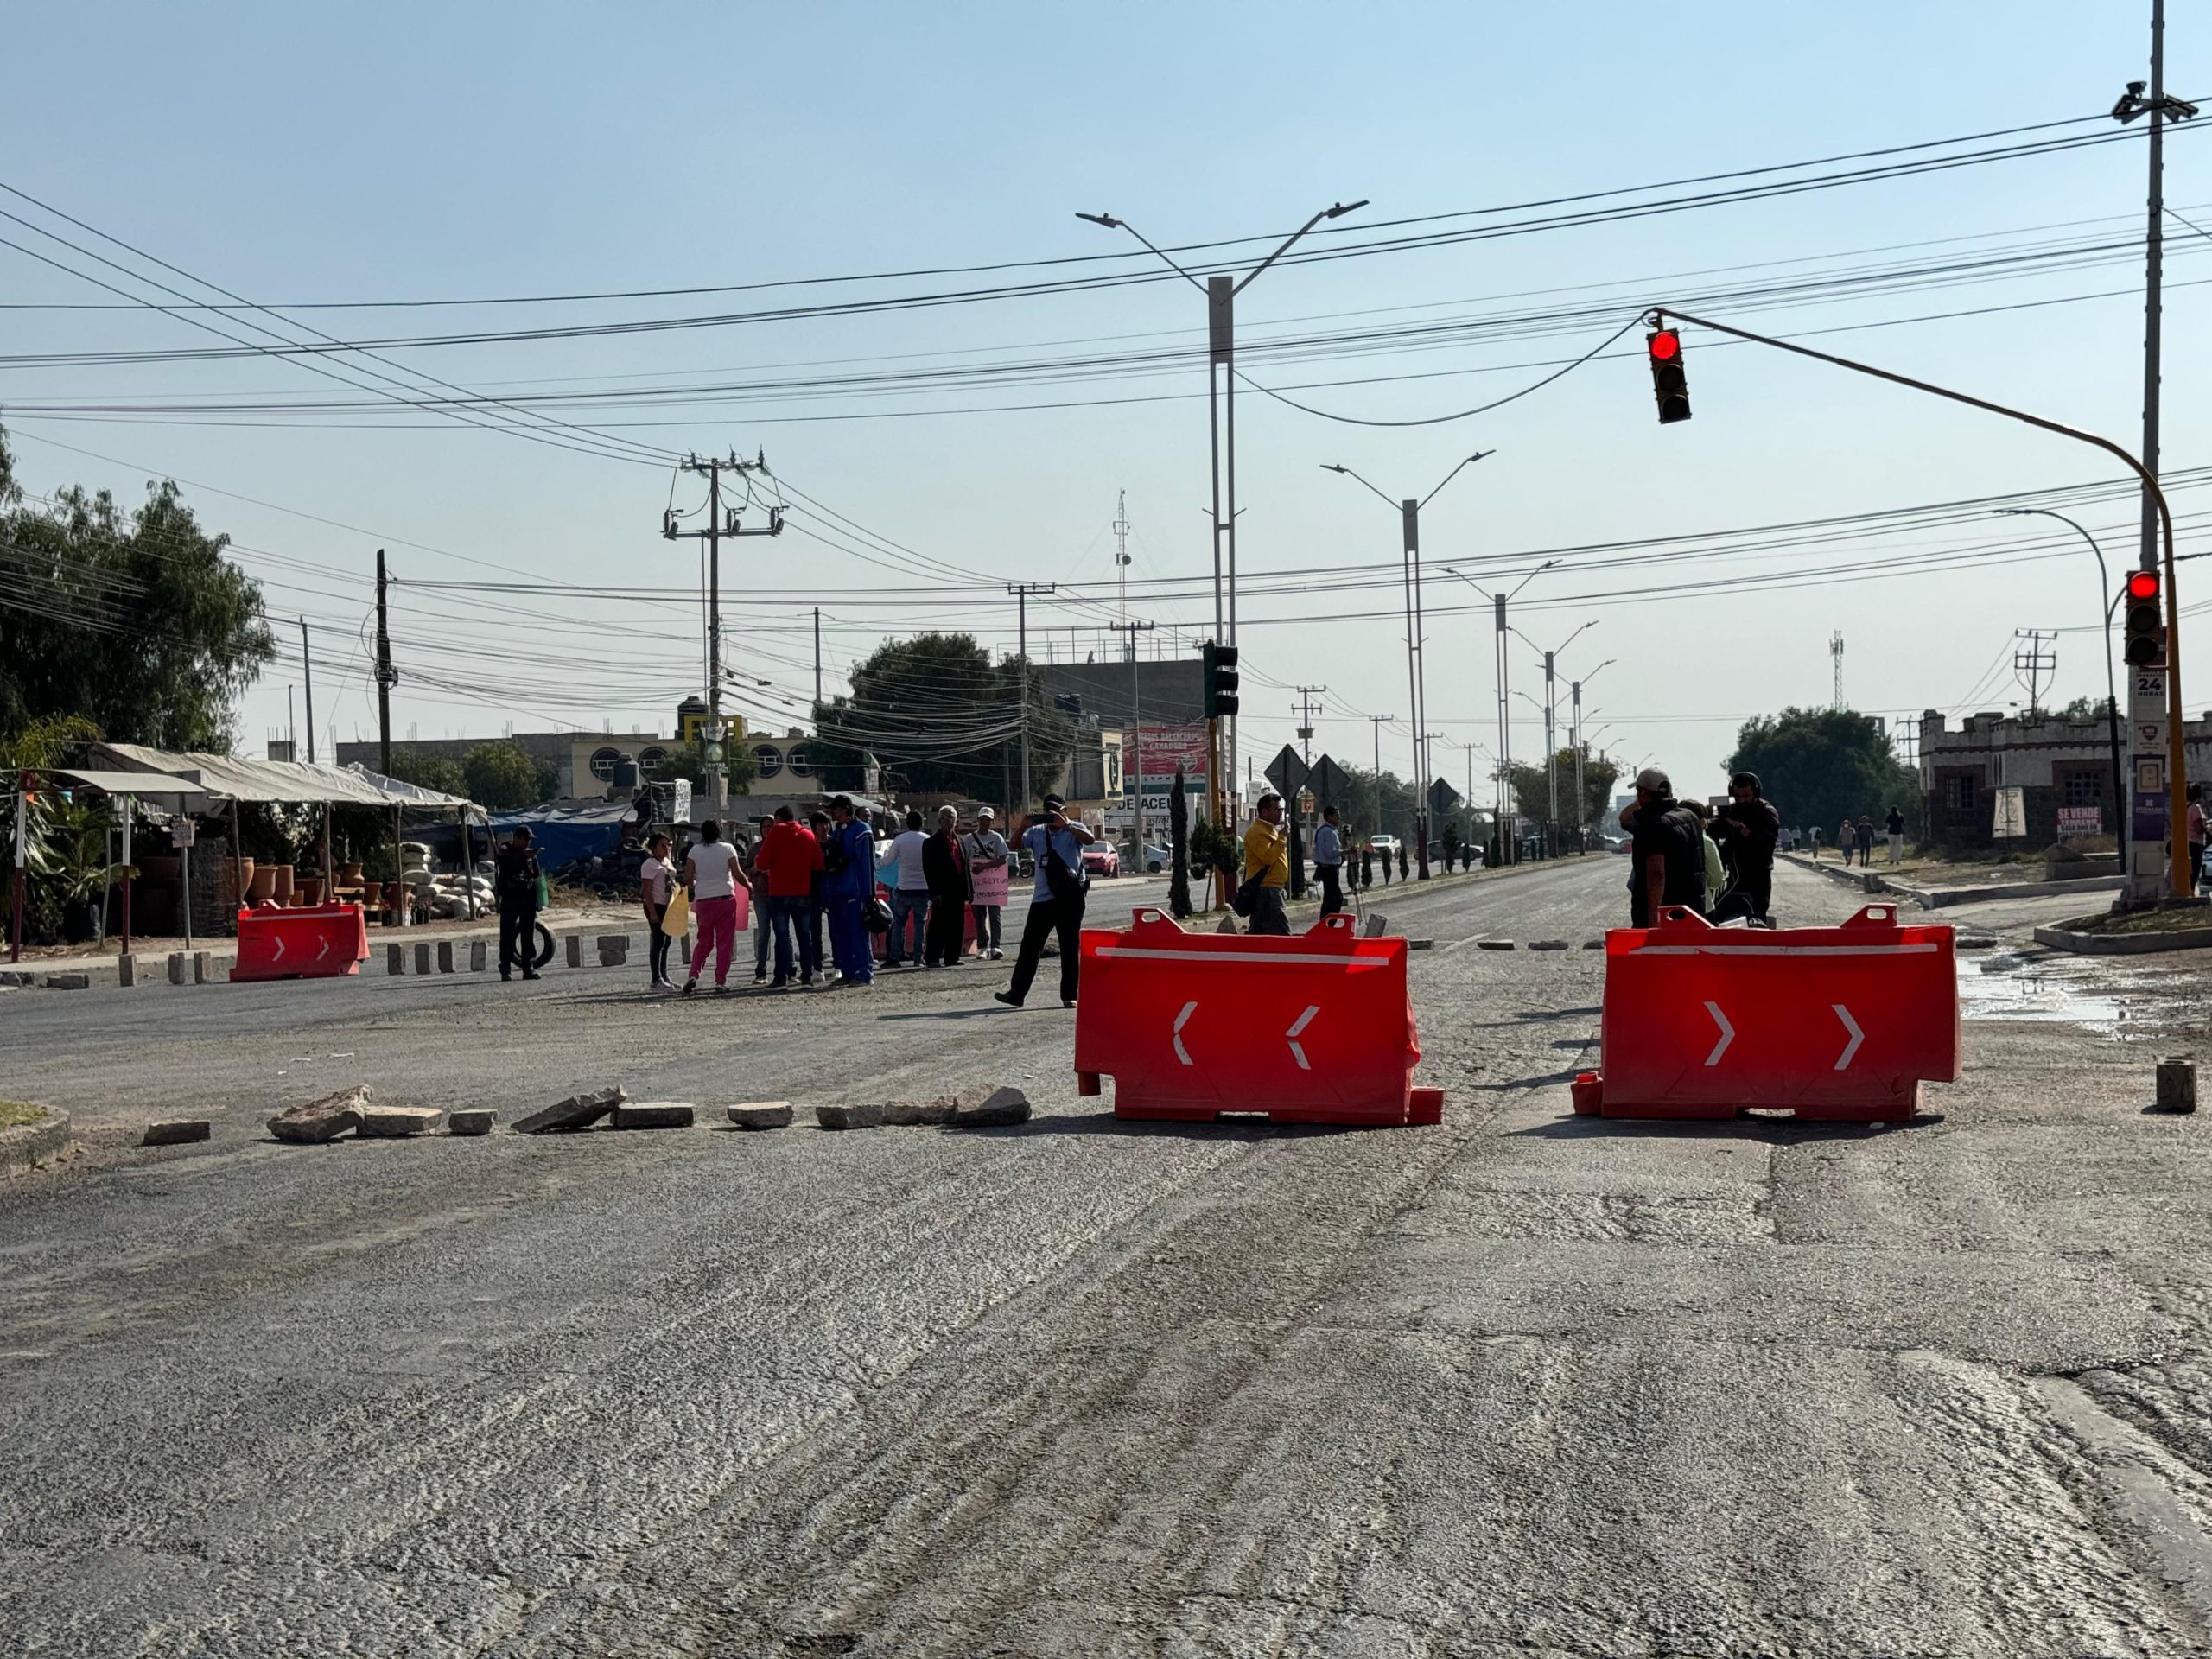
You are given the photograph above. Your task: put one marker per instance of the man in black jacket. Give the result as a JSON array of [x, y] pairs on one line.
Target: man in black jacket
[[1747, 828], [1666, 850], [515, 885]]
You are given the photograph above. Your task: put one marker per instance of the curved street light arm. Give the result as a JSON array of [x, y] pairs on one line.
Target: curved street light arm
[[1455, 473], [1336, 211], [1113, 224], [1330, 466]]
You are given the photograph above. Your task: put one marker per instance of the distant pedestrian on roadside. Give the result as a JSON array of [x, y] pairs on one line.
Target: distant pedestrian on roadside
[[515, 885], [1383, 859], [1895, 829], [1847, 839], [848, 889], [711, 874], [909, 893], [988, 862], [1328, 862], [1865, 833], [944, 861], [657, 882], [787, 859], [756, 892], [818, 822], [1748, 830], [1055, 842], [1666, 855], [1366, 868], [2195, 836], [1267, 862]]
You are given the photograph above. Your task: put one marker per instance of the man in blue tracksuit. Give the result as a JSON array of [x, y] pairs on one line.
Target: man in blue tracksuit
[[848, 889]]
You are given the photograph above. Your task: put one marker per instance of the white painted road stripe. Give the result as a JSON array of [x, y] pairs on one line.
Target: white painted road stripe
[[1727, 1033]]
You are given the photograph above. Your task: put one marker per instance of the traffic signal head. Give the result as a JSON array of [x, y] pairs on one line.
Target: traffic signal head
[[2143, 640], [1668, 384], [1220, 679]]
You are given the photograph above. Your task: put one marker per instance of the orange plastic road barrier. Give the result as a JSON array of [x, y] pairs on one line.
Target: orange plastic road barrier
[[1841, 1023], [1313, 1029], [311, 942]]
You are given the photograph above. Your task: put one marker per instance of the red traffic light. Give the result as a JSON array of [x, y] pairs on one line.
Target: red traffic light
[[2143, 584], [1666, 346]]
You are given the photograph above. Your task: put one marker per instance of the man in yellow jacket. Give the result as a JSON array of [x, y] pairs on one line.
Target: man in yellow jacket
[[1267, 855]]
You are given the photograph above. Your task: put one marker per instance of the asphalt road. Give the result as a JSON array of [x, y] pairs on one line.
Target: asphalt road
[[1522, 1383]]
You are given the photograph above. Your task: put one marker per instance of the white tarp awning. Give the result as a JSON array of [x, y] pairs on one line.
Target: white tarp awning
[[284, 782], [138, 783]]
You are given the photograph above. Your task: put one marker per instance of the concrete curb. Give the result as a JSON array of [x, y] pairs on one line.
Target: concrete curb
[[2124, 945], [32, 1146], [1941, 898]]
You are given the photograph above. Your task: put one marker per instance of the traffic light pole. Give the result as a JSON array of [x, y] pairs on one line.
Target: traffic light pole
[[2177, 769]]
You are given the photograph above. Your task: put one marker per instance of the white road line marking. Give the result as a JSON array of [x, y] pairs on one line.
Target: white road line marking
[[1857, 1035], [1727, 1033], [1182, 1053], [1298, 1025]]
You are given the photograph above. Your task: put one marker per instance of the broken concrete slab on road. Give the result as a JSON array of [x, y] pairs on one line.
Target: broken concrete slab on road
[[469, 1120], [315, 1121], [999, 1109], [656, 1115], [177, 1131], [907, 1114], [578, 1111], [761, 1115], [398, 1123], [867, 1115]]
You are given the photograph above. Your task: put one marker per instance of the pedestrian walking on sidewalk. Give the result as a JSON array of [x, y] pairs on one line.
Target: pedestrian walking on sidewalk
[[909, 893], [848, 889], [988, 862], [945, 862], [1267, 862], [1896, 829], [1328, 862], [2195, 836], [787, 858], [1055, 842], [515, 885], [657, 880], [710, 875], [1865, 834]]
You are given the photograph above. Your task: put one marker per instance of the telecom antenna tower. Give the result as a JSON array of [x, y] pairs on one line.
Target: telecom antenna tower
[[1835, 650], [1122, 552]]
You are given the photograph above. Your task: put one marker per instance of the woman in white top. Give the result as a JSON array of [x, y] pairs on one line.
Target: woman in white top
[[709, 874], [658, 882]]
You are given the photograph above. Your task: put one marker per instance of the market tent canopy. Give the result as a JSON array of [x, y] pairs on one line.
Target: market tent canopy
[[284, 782], [139, 784], [398, 791]]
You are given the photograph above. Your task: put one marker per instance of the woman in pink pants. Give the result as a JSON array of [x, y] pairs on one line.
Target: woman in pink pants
[[709, 875]]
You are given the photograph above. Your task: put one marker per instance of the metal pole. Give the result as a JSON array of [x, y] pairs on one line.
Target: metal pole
[[23, 783], [1551, 747], [1218, 291], [1022, 602], [817, 655], [2176, 757], [714, 775], [307, 670], [1582, 798], [2154, 276], [384, 676], [1229, 443], [1410, 544], [1511, 796], [126, 799]]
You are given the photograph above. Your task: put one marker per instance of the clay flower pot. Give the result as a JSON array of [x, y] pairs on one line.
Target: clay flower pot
[[286, 878]]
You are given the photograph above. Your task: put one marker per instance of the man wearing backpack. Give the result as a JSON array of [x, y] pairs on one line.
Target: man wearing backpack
[[1055, 842]]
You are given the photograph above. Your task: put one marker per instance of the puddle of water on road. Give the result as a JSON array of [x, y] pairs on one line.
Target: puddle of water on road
[[2011, 987]]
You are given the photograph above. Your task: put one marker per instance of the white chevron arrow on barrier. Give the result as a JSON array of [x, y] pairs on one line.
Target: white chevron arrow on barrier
[[1857, 1035], [1182, 1053], [1297, 1052], [1727, 1033]]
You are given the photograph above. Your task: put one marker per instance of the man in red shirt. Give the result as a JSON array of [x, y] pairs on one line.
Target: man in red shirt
[[789, 856]]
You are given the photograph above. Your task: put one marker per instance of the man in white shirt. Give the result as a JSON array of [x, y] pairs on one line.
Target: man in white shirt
[[1056, 842], [656, 879], [910, 892]]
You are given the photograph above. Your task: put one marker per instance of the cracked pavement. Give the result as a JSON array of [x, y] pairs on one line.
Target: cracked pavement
[[1522, 1383]]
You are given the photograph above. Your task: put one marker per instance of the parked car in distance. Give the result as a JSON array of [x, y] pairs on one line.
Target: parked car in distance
[[1154, 861], [1384, 846], [1102, 858]]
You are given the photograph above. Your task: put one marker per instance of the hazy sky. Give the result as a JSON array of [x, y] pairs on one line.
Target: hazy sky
[[412, 152]]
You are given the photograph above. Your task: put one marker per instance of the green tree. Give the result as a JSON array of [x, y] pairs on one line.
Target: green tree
[[938, 714], [501, 775], [1822, 766], [135, 622], [428, 770], [2085, 708], [1532, 788]]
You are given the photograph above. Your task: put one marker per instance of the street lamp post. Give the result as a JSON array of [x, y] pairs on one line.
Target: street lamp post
[[1503, 672], [1551, 724], [1221, 291], [1416, 668], [2111, 694], [1581, 799]]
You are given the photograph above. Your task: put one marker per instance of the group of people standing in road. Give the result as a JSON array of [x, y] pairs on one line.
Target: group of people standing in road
[[939, 882], [1860, 837], [1720, 864]]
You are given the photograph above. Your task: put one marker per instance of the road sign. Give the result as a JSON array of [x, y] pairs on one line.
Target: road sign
[[1442, 797], [1286, 772], [1329, 782]]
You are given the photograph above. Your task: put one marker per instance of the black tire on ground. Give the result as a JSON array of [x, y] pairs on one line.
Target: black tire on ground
[[544, 945]]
